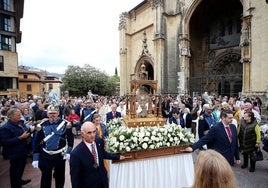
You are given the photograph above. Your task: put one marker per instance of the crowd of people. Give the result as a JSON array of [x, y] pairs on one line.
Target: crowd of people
[[37, 128]]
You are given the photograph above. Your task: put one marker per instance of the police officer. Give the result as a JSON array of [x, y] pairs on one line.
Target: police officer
[[52, 146]]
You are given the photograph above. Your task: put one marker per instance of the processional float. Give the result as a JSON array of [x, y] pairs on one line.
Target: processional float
[[140, 109]]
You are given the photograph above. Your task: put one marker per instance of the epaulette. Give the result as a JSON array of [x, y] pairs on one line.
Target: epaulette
[[38, 127], [68, 124]]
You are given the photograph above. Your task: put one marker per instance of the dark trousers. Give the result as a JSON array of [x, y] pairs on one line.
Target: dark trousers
[[47, 164], [16, 171], [245, 158], [194, 128]]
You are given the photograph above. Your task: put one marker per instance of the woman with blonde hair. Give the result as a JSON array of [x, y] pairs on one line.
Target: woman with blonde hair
[[213, 171]]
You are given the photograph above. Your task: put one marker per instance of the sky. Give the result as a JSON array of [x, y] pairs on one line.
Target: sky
[[58, 33]]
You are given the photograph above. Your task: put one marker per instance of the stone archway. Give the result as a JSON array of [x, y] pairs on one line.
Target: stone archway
[[227, 73], [214, 35], [148, 67]]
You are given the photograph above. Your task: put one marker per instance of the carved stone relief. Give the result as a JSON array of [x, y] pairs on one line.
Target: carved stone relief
[[156, 3], [122, 21], [145, 50]]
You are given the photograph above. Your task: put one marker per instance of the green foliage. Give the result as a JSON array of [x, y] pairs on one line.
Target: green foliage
[[116, 73], [78, 80]]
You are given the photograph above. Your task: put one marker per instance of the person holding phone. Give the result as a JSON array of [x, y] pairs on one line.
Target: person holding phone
[[13, 138]]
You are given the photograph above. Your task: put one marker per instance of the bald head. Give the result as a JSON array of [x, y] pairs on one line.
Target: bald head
[[114, 107], [88, 132]]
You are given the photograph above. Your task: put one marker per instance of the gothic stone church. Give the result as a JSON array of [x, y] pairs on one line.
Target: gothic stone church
[[197, 46]]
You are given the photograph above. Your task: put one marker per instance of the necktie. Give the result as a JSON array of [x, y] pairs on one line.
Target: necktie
[[94, 152], [114, 115], [229, 133]]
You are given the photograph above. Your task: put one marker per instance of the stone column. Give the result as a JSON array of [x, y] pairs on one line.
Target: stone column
[[245, 43], [184, 55], [123, 53]]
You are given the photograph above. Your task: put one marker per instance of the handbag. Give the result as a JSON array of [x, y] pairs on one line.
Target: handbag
[[256, 155]]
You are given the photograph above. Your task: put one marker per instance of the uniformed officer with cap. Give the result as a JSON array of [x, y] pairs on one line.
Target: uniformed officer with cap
[[53, 143]]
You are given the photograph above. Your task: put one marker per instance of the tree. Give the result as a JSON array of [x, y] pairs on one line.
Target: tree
[[116, 71], [78, 81]]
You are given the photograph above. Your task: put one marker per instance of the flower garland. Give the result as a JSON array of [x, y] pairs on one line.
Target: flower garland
[[123, 139]]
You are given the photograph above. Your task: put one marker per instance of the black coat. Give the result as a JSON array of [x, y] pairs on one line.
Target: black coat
[[218, 136], [13, 147], [82, 170]]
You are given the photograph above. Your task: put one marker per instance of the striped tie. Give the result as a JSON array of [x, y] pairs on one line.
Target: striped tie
[[94, 153]]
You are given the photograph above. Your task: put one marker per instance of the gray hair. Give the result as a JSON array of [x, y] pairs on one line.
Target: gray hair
[[12, 111]]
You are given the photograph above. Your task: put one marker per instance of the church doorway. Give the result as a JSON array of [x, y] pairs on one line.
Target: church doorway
[[214, 32]]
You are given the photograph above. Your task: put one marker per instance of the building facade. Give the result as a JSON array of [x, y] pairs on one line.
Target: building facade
[[30, 84], [37, 83], [11, 11], [52, 83], [197, 46]]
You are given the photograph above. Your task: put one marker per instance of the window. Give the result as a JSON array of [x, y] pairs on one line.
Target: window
[[5, 43], [7, 24], [29, 87], [1, 63], [6, 4], [50, 86], [25, 76], [7, 83]]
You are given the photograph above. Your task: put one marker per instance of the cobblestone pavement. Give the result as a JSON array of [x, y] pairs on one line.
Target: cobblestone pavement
[[245, 179]]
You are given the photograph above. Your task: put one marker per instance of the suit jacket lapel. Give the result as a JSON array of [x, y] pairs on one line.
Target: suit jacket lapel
[[98, 145], [87, 149], [225, 133]]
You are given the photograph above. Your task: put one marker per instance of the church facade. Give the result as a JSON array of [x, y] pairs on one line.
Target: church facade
[[196, 46]]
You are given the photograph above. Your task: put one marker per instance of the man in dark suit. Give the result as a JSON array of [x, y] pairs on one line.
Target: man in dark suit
[[176, 118], [113, 114], [225, 142], [86, 162], [13, 138], [205, 122]]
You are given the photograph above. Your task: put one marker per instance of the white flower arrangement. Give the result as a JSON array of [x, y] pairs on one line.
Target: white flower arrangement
[[123, 139], [114, 123]]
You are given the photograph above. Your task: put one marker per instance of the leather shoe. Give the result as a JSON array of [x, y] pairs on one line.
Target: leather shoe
[[24, 182], [251, 169], [244, 166]]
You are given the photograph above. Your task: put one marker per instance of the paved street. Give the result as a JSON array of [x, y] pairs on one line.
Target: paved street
[[245, 179]]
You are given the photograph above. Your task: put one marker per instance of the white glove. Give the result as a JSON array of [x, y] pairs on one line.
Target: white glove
[[66, 156], [35, 164]]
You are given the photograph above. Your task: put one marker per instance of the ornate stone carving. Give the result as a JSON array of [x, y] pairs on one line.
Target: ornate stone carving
[[122, 51], [183, 50], [246, 39], [211, 55], [183, 44], [156, 3], [226, 60], [145, 50], [122, 21], [181, 5]]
